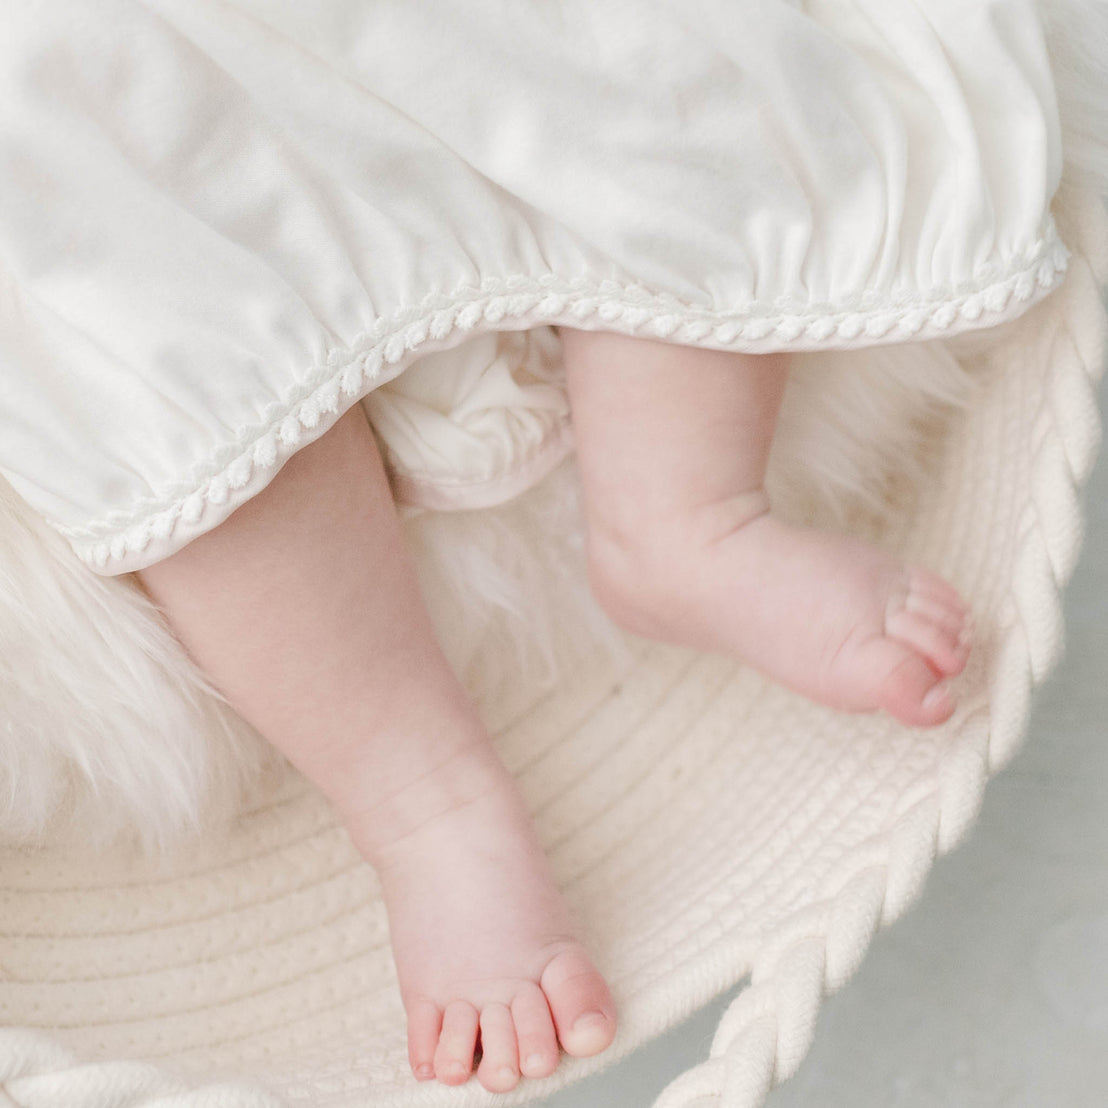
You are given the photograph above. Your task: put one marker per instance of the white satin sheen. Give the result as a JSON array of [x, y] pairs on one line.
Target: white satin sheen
[[221, 224]]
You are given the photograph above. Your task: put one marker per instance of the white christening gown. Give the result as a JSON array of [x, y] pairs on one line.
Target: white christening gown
[[224, 223]]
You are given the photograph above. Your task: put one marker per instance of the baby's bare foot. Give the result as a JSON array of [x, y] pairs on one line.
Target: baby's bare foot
[[484, 947], [831, 617]]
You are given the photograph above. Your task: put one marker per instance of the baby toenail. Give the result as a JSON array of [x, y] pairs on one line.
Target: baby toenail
[[424, 1072], [938, 694], [591, 1021], [534, 1063]]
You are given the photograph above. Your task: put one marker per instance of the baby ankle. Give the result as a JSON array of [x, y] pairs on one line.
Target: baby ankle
[[645, 578], [637, 583]]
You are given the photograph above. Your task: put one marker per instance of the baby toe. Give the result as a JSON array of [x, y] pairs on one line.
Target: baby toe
[[941, 640], [424, 1026], [499, 1068], [457, 1042], [905, 685], [938, 612], [582, 1007], [535, 1034], [923, 583]]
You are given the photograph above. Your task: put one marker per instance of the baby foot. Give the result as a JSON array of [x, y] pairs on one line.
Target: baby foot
[[484, 948], [831, 617]]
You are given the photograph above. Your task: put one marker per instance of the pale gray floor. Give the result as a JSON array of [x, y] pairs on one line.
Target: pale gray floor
[[993, 991]]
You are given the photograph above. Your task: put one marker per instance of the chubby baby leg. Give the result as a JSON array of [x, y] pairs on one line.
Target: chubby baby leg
[[303, 608], [672, 445]]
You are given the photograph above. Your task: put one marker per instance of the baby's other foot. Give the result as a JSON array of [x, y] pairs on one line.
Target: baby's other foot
[[485, 951], [832, 617]]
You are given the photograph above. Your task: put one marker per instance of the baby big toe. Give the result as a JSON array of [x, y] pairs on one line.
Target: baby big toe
[[499, 1068], [458, 1041], [905, 685], [582, 1006]]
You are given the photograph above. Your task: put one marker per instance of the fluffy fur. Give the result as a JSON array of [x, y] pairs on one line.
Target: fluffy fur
[[107, 727], [108, 731]]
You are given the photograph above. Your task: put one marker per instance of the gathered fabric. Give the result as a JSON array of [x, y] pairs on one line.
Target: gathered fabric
[[224, 223]]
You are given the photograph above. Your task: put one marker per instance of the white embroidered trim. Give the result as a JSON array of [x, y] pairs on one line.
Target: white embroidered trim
[[521, 302]]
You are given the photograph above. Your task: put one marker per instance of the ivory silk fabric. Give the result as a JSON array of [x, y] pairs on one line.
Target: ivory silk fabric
[[222, 223]]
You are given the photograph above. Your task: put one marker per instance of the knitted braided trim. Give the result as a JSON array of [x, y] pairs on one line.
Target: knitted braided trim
[[36, 1072], [995, 293], [768, 1029]]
